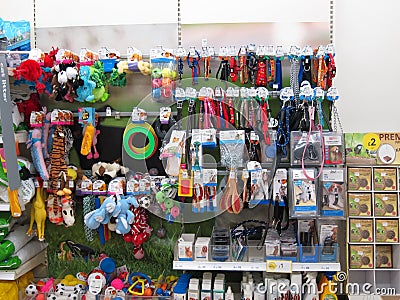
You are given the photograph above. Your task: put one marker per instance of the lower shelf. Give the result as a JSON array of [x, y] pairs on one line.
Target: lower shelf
[[250, 266], [39, 259]]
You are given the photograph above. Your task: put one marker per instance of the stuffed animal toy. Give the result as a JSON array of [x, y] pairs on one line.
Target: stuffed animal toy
[[30, 70], [98, 76], [124, 215], [72, 75], [57, 157], [108, 171], [117, 77], [102, 215], [96, 154], [34, 143], [67, 208], [38, 214], [85, 92], [27, 106]]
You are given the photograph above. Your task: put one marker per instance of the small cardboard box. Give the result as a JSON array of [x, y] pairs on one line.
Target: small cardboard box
[[385, 205], [361, 230], [201, 248], [387, 230], [359, 179], [385, 179], [185, 246], [361, 257], [360, 204], [383, 256]]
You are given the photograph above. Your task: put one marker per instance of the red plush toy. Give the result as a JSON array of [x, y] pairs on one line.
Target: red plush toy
[[27, 106], [30, 70]]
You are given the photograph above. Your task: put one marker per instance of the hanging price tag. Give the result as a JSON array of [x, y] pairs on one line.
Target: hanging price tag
[[279, 266]]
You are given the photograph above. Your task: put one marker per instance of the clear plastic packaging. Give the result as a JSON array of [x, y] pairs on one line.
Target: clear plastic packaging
[[304, 192], [163, 75], [307, 147], [333, 192]]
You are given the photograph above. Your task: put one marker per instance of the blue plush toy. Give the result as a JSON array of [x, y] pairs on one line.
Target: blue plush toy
[[85, 92], [124, 215], [102, 215]]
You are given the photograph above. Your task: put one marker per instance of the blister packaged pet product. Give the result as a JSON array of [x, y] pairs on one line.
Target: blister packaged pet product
[[163, 74], [306, 146], [334, 148], [333, 192], [304, 192]]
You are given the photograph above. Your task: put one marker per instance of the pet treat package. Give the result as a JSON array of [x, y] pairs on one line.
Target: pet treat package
[[163, 75], [387, 230], [385, 179], [306, 147], [385, 205], [359, 204], [334, 148], [361, 230], [359, 179], [304, 193], [333, 192], [383, 256], [361, 256]]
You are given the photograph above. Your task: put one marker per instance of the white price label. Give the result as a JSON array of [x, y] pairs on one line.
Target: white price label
[[279, 266]]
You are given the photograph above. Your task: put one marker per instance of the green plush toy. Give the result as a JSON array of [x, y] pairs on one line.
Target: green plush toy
[[10, 263]]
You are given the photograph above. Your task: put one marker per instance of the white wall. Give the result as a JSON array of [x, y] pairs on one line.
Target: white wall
[[367, 40]]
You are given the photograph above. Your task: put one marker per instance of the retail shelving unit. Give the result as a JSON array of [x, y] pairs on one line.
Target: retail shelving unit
[[382, 190]]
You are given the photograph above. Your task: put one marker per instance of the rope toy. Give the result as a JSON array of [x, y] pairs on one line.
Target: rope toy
[[140, 232]]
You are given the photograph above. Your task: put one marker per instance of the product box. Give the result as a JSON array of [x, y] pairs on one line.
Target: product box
[[360, 204], [385, 179], [185, 246], [359, 179], [385, 205], [383, 256], [387, 230], [361, 230], [201, 248], [361, 256]]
